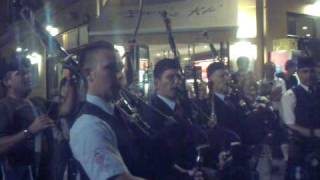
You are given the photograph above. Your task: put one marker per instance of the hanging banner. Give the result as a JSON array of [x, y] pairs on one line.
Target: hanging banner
[[185, 15]]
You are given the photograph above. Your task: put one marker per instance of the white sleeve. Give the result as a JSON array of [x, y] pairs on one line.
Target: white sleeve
[[288, 104], [283, 86], [94, 145]]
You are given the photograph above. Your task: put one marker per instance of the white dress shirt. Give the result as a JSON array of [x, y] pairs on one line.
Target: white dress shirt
[[220, 96], [169, 102], [94, 144]]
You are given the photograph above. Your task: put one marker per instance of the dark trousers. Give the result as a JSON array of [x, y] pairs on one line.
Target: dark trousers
[[59, 161], [299, 163], [62, 161], [18, 173]]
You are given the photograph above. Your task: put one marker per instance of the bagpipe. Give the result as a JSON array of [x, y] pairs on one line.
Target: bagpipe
[[129, 104]]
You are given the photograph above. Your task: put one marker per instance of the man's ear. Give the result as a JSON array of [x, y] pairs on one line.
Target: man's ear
[[210, 84], [87, 72], [156, 83]]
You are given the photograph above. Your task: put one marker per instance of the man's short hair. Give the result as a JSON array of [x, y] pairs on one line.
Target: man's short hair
[[290, 64], [269, 66], [164, 65], [213, 67], [85, 56], [242, 59], [305, 62], [14, 63]]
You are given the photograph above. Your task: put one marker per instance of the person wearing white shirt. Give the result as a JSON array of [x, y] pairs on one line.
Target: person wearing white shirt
[[289, 101], [271, 86], [96, 137], [300, 114]]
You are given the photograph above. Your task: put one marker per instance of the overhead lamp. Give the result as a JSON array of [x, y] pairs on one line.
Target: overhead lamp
[[35, 58], [308, 35], [246, 25], [53, 31], [312, 9], [243, 48], [304, 27], [19, 49]]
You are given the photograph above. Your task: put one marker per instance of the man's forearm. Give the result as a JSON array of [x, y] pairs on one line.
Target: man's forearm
[[7, 142], [301, 130]]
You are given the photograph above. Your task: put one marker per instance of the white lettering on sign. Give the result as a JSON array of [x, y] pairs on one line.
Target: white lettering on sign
[[185, 15]]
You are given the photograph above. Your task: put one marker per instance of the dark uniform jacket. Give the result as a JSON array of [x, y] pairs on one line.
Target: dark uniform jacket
[[226, 136], [228, 115], [306, 110], [173, 140]]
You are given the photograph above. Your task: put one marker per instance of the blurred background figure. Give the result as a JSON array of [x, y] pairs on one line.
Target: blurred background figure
[[271, 134], [24, 129], [271, 86], [243, 79], [289, 76], [68, 106]]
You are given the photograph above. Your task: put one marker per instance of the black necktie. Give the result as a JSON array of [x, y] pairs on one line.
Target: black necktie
[[178, 111]]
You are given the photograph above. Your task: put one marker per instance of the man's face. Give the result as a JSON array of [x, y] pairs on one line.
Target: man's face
[[219, 80], [20, 81], [243, 66], [168, 84], [69, 91], [291, 70], [269, 71], [105, 74], [305, 75]]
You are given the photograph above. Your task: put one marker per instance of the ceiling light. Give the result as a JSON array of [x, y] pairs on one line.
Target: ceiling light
[[308, 35], [34, 57], [304, 27], [292, 35], [158, 54], [19, 49], [312, 9], [53, 31]]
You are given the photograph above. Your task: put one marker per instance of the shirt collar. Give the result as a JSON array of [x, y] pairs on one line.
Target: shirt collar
[[168, 101], [220, 95], [108, 107]]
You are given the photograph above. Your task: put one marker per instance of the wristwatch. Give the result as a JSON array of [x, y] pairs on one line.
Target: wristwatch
[[27, 133]]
